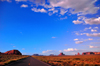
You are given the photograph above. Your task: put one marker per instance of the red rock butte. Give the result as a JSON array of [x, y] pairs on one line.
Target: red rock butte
[[61, 54], [91, 53], [13, 52], [78, 53]]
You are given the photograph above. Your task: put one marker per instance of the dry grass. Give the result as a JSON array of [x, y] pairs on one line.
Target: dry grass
[[78, 60], [5, 59]]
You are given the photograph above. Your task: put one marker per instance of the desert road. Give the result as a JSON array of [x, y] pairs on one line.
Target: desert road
[[30, 61]]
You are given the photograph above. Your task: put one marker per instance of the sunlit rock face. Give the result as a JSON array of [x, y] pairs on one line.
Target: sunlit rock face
[[13, 52], [90, 53], [78, 53], [61, 54]]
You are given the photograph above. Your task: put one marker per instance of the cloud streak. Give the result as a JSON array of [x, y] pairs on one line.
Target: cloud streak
[[66, 6], [79, 42], [70, 49], [92, 21], [85, 7], [50, 52], [93, 46], [92, 30], [76, 39], [63, 7], [39, 10], [93, 34], [77, 22], [23, 5]]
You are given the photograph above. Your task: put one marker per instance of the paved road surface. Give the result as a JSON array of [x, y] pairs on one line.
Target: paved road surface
[[30, 61]]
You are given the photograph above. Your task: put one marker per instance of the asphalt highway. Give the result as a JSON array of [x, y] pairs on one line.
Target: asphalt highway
[[30, 61]]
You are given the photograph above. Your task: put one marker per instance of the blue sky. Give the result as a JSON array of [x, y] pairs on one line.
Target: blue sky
[[50, 26]]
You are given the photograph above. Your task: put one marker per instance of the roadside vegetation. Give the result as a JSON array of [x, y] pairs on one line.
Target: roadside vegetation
[[5, 59], [78, 60]]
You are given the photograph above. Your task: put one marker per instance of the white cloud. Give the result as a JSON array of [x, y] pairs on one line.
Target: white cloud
[[76, 39], [87, 28], [70, 49], [79, 42], [63, 18], [50, 52], [71, 6], [77, 22], [96, 28], [74, 6], [53, 10], [90, 39], [50, 13], [83, 39], [7, 0], [38, 2], [77, 33], [62, 11], [83, 6], [63, 7], [93, 46], [21, 0], [39, 10], [93, 34], [92, 21], [92, 30], [23, 5]]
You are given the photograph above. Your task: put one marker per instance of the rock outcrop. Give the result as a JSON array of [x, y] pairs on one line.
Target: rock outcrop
[[78, 53], [61, 54], [13, 52], [91, 53]]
